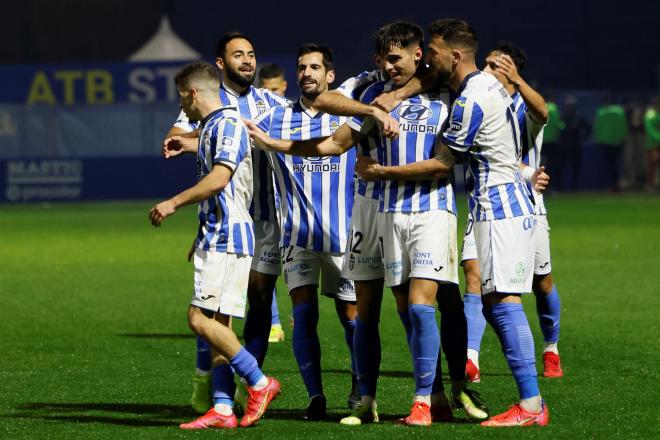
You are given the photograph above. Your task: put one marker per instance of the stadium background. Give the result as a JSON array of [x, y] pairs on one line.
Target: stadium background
[[73, 107], [92, 299]]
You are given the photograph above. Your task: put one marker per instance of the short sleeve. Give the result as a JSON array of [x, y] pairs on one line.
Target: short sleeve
[[229, 142], [464, 124], [184, 123]]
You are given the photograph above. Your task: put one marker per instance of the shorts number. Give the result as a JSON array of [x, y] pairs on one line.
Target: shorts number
[[355, 247], [288, 258], [468, 227]]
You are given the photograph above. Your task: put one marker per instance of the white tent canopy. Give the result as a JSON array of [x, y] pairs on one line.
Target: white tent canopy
[[165, 45]]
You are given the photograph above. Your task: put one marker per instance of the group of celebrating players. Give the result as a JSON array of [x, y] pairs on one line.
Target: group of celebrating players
[[354, 186]]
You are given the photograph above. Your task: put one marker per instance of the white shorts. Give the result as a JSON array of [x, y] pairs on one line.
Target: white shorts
[[302, 267], [363, 258], [419, 245], [542, 263], [469, 247], [267, 258], [221, 281], [506, 254]]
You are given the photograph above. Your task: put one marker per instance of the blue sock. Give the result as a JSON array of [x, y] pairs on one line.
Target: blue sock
[[425, 344], [518, 346], [453, 331], [223, 384], [203, 355], [246, 366], [407, 325], [306, 346], [548, 307], [366, 347], [476, 323], [256, 331], [274, 311], [349, 333]]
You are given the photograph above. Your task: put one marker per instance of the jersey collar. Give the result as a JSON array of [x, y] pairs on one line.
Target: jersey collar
[[465, 81], [234, 92], [311, 113]]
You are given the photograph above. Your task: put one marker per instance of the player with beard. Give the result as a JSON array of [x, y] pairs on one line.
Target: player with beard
[[235, 58], [316, 197], [483, 129]]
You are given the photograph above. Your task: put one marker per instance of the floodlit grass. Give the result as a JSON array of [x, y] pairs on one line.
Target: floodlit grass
[[95, 343]]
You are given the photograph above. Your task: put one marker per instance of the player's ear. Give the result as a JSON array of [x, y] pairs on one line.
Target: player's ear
[[456, 57], [418, 54], [330, 76], [220, 63]]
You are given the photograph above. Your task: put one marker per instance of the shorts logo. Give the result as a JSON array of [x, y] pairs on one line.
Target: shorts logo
[[395, 267], [520, 271], [423, 259], [346, 285], [528, 223], [485, 283], [207, 297], [544, 265], [437, 269]]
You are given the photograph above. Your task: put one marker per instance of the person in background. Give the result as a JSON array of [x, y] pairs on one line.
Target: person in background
[[551, 142], [610, 132], [634, 148], [652, 128], [575, 131]]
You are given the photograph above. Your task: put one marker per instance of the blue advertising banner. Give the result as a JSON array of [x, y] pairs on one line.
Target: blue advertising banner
[[91, 84], [70, 179]]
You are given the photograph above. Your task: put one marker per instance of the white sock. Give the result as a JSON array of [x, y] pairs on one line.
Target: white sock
[[223, 409], [551, 346], [261, 383], [199, 372], [473, 355], [424, 399], [533, 404]]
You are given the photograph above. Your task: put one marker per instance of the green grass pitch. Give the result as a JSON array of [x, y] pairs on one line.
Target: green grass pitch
[[95, 343]]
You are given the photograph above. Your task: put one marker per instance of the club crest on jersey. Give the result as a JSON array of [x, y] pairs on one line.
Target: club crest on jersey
[[226, 141], [261, 107], [334, 125], [414, 112]]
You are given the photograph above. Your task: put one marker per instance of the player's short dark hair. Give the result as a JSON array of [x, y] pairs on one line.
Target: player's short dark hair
[[328, 61], [518, 55], [269, 71], [455, 32], [221, 47], [398, 34], [197, 71]]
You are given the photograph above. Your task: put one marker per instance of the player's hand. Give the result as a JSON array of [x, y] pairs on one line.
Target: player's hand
[[386, 101], [175, 145], [387, 123], [259, 137], [506, 66], [540, 180], [161, 211], [367, 168], [191, 251]]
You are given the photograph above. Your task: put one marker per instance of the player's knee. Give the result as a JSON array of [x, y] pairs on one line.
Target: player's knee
[[196, 319], [542, 284], [472, 276]]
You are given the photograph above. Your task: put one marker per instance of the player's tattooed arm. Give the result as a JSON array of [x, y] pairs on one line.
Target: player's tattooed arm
[[423, 81], [536, 105], [211, 184], [334, 103], [341, 141], [437, 167]]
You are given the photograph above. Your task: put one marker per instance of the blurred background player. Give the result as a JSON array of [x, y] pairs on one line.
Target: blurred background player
[[505, 62], [316, 198], [652, 128], [235, 58], [224, 246], [271, 77]]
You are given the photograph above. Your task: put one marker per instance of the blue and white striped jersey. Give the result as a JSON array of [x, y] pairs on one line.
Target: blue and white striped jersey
[[315, 194], [531, 139], [354, 88], [250, 105], [225, 224], [483, 125], [420, 119]]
